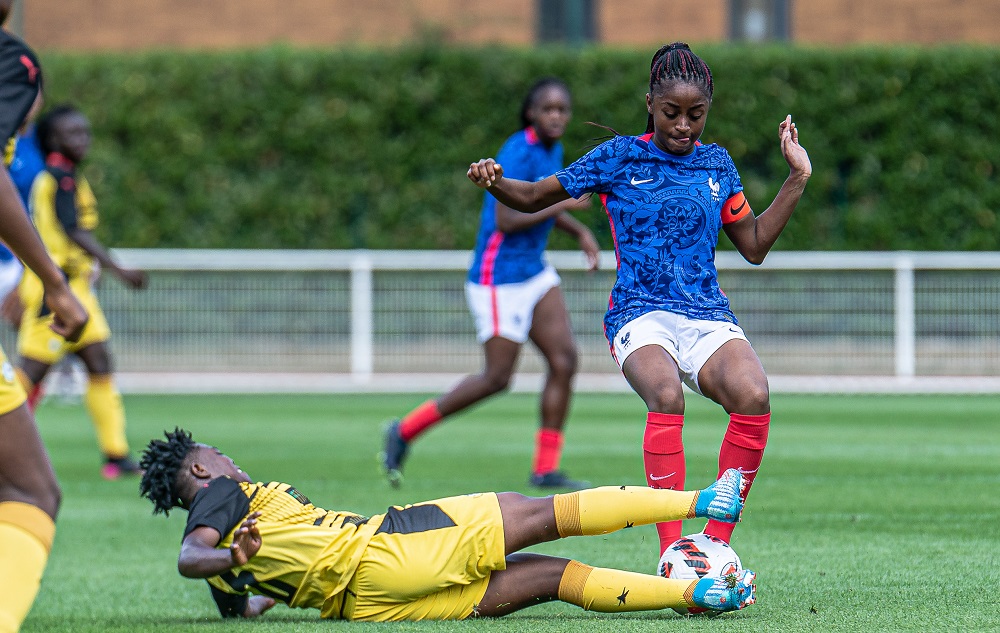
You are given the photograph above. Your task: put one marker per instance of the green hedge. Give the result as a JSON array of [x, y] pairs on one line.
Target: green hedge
[[356, 148]]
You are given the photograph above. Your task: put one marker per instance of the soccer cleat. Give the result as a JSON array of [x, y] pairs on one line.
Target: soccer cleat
[[116, 468], [721, 501], [394, 454], [732, 592], [557, 479]]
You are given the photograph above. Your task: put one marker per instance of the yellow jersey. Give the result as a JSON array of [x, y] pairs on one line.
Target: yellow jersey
[[308, 555], [62, 201]]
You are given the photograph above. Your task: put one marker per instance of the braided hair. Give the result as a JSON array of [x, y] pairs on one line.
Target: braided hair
[[46, 126], [535, 90], [676, 62], [161, 461]]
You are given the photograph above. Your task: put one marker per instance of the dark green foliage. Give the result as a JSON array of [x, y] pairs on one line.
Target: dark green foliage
[[354, 148]]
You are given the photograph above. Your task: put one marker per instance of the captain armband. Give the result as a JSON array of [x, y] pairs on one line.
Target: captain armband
[[736, 208]]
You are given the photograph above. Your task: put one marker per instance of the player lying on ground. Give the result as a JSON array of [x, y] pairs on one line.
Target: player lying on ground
[[446, 559]]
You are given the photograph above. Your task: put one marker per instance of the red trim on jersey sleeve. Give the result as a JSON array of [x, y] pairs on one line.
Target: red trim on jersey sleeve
[[736, 208], [646, 137]]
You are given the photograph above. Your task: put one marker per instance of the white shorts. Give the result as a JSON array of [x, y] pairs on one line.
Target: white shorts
[[10, 276], [506, 310], [691, 342]]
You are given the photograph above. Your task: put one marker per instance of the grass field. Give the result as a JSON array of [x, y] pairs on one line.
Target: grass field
[[871, 513]]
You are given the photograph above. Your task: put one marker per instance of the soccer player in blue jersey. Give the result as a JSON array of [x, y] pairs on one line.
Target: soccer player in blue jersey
[[668, 322], [514, 296]]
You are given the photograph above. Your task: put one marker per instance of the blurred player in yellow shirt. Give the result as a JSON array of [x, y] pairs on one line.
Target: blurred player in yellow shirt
[[64, 210], [29, 492]]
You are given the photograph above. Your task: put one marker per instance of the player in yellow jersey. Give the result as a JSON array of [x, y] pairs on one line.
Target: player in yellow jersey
[[29, 492], [64, 210], [447, 559]]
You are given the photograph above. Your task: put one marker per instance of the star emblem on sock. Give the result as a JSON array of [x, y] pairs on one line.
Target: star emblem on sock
[[621, 598]]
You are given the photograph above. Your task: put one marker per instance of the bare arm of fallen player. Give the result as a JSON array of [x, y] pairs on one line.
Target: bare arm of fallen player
[[200, 558]]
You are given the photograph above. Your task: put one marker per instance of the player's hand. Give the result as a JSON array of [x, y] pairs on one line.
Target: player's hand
[[484, 173], [246, 541], [69, 317], [257, 605], [795, 155], [591, 250], [134, 279]]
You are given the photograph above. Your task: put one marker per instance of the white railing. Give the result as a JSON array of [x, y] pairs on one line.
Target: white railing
[[328, 320]]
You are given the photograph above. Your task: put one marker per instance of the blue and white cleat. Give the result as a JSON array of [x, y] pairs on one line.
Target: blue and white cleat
[[393, 454], [721, 501], [732, 592]]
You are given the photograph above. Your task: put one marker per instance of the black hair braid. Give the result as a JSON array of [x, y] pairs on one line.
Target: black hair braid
[[45, 125], [676, 62], [160, 463], [534, 91]]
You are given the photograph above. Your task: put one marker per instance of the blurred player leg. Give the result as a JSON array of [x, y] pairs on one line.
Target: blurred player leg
[[104, 404], [29, 500], [552, 334]]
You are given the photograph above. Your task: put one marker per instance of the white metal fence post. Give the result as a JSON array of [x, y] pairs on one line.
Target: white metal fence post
[[362, 315], [906, 328]]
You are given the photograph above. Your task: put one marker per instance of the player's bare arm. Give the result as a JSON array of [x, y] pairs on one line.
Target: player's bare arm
[[519, 195], [86, 240], [510, 221], [200, 558], [754, 237], [18, 233]]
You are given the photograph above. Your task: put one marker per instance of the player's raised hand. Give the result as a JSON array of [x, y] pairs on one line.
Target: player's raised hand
[[257, 605], [795, 155], [69, 317], [485, 172], [246, 541]]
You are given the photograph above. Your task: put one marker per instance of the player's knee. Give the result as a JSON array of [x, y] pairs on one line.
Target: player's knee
[[496, 382], [666, 401], [564, 363], [753, 399]]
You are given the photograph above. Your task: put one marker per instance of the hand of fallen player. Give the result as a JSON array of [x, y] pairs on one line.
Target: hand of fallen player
[[246, 541], [485, 172]]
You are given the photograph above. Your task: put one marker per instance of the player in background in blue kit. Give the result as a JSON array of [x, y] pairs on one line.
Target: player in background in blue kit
[[668, 322], [514, 296]]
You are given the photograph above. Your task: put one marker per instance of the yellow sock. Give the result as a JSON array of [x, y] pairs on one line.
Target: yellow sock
[[106, 411], [613, 591], [609, 508], [26, 535]]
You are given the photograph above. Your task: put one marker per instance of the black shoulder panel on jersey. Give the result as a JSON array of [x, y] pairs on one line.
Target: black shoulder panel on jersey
[[221, 505], [65, 198], [20, 81], [422, 518], [230, 605]]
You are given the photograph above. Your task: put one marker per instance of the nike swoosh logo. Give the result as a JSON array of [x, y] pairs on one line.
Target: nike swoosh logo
[[640, 182], [737, 210], [655, 478]]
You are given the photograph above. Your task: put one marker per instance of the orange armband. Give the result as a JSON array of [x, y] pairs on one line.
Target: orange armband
[[735, 208]]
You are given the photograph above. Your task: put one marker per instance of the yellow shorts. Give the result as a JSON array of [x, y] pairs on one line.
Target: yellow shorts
[[35, 340], [11, 392], [430, 561]]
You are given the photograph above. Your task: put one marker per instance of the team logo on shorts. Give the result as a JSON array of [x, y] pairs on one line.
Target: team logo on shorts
[[624, 340], [8, 371]]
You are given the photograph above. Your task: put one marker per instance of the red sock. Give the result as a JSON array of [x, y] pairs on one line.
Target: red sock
[[548, 450], [34, 397], [743, 448], [419, 420], [663, 456]]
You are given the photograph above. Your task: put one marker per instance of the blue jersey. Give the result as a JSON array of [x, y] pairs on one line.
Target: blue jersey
[[665, 213], [507, 258], [26, 163]]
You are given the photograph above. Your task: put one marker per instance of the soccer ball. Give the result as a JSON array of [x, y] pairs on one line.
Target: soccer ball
[[695, 557]]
